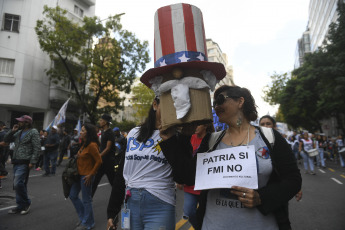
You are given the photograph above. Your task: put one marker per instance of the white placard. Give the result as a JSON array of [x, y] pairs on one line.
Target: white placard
[[227, 167]]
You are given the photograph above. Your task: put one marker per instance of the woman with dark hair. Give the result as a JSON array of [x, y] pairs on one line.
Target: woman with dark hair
[[306, 144], [88, 161], [150, 188], [268, 121], [279, 178]]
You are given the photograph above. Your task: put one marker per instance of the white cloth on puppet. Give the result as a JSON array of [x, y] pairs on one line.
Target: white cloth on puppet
[[180, 89]]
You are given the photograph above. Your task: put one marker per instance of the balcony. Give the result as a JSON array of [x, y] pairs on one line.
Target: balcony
[[89, 2]]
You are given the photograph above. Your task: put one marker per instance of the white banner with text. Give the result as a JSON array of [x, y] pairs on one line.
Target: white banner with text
[[227, 167]]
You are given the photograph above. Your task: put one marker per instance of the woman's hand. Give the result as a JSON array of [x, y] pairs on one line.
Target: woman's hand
[[87, 180], [110, 224], [249, 197], [179, 186], [166, 134], [299, 195]]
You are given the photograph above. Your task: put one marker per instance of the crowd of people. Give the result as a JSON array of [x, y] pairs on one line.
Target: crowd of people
[[313, 149], [145, 168]]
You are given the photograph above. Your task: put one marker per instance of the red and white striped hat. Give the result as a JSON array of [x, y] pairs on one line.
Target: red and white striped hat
[[180, 42]]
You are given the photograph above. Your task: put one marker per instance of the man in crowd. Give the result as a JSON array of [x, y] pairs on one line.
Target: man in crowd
[[51, 151], [25, 155], [107, 151], [64, 143], [3, 152], [120, 140]]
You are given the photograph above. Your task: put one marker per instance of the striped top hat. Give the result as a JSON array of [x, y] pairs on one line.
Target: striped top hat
[[180, 42]]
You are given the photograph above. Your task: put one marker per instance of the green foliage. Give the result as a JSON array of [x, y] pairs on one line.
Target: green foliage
[[96, 72], [142, 100], [272, 92]]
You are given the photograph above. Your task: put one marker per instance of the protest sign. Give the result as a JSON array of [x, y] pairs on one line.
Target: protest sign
[[227, 167]]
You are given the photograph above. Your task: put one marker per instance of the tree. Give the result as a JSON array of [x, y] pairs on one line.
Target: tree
[[273, 92], [142, 100], [95, 72]]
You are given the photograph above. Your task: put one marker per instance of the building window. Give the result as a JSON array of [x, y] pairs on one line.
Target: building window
[[11, 22], [6, 67], [78, 11]]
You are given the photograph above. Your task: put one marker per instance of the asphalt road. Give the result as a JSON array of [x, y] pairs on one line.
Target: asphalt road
[[322, 206]]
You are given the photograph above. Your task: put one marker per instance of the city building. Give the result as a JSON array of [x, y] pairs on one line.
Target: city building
[[215, 54], [321, 15], [25, 87]]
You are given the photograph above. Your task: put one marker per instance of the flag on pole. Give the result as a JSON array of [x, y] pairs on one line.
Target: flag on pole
[[61, 116], [50, 125], [78, 126]]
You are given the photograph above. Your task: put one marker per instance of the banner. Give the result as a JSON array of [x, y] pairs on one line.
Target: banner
[[61, 116], [78, 126], [227, 167]]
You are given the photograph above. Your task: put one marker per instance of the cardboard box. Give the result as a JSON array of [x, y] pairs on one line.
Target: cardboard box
[[200, 111]]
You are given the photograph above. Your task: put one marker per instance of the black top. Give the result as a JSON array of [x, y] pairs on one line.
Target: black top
[[108, 135], [53, 138], [284, 183]]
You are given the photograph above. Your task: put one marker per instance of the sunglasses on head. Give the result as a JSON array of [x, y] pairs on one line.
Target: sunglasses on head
[[221, 99]]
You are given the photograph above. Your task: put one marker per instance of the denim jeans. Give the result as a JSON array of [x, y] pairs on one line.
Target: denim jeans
[[20, 181], [50, 157], [148, 212], [189, 207], [306, 160], [342, 164], [320, 158], [84, 207]]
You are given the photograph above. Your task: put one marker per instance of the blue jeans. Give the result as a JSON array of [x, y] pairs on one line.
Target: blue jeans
[[320, 158], [50, 157], [306, 160], [84, 207], [189, 207], [342, 164], [20, 181], [148, 212]]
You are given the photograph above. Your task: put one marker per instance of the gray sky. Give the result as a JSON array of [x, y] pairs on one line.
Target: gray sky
[[259, 36]]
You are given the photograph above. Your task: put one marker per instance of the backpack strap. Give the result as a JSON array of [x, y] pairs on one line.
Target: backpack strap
[[268, 132], [214, 140]]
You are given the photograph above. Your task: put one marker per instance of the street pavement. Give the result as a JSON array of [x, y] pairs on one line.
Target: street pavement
[[321, 208]]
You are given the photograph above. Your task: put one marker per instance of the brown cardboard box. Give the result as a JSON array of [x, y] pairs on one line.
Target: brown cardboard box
[[200, 111]]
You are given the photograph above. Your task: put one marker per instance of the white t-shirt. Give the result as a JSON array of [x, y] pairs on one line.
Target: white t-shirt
[[308, 144], [146, 167]]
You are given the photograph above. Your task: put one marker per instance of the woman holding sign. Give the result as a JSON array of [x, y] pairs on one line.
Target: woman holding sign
[[278, 177]]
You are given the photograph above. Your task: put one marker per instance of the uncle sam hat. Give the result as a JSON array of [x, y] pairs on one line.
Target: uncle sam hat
[[179, 41]]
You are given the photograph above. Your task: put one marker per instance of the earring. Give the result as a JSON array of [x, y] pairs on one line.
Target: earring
[[239, 121]]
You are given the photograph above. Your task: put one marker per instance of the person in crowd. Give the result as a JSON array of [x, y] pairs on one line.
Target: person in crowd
[[107, 150], [63, 147], [191, 196], [305, 145], [321, 144], [51, 152], [294, 146], [3, 152], [88, 161], [268, 121], [74, 144], [148, 176], [340, 144], [25, 155], [120, 140], [279, 178], [43, 137]]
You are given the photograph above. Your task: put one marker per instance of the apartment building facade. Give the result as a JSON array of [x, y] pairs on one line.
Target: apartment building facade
[[24, 86]]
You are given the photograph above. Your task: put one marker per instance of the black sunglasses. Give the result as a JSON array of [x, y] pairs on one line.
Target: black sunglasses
[[221, 99]]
